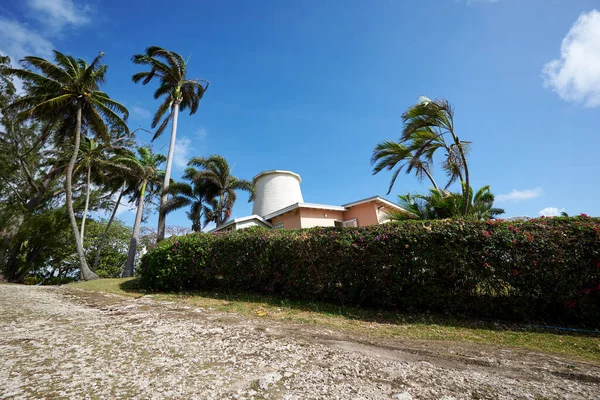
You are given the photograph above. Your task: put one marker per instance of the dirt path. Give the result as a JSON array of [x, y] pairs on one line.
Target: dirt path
[[63, 343]]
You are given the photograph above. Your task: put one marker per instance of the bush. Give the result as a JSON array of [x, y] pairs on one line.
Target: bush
[[30, 280], [542, 269]]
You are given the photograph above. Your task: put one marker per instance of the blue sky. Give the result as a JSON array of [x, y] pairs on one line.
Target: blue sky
[[312, 86]]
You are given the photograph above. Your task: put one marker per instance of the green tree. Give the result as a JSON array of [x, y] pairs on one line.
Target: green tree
[[391, 155], [215, 173], [148, 183], [65, 96], [426, 125], [179, 92], [194, 196], [442, 204]]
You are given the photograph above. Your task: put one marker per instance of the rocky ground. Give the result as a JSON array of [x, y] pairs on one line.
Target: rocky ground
[[63, 343]]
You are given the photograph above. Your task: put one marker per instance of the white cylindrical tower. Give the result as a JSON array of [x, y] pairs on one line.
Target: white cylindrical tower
[[276, 190]]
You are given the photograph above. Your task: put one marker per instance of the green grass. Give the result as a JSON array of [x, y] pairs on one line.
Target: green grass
[[372, 322]]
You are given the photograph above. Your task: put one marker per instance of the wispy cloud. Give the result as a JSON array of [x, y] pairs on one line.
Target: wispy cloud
[[576, 75], [17, 39], [186, 148], [56, 14], [517, 195], [141, 112], [182, 152], [551, 212]]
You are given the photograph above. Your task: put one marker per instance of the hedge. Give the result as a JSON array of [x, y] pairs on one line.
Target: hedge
[[545, 269]]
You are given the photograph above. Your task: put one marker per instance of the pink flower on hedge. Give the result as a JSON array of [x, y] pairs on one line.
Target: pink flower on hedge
[[585, 215], [534, 263], [571, 304], [515, 272], [586, 291], [486, 265], [487, 234]]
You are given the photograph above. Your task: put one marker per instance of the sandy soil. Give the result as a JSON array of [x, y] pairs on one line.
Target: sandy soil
[[62, 343]]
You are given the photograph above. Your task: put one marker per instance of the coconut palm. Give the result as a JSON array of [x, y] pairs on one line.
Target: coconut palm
[[179, 92], [120, 177], [216, 174], [425, 126], [194, 196], [65, 97], [148, 183], [442, 204], [389, 155]]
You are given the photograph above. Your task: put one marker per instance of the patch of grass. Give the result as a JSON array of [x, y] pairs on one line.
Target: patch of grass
[[372, 322]]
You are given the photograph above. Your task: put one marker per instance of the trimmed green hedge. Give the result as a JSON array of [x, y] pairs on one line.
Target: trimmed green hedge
[[542, 269]]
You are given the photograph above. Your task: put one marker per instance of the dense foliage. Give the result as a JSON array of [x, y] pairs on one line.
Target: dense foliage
[[541, 269]]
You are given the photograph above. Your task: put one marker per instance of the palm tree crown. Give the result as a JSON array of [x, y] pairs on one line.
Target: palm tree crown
[[216, 175], [170, 69]]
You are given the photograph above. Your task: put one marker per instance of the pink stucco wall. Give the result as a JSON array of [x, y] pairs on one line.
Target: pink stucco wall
[[291, 219], [365, 214], [311, 217]]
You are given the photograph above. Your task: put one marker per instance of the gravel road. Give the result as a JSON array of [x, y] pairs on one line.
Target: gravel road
[[61, 343]]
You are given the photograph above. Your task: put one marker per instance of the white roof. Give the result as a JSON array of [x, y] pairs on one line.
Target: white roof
[[303, 205], [373, 198], [278, 171], [241, 219]]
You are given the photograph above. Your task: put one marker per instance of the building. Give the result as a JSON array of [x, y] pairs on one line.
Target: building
[[279, 204]]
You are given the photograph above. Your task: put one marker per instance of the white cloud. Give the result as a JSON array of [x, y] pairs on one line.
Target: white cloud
[[551, 212], [576, 75], [186, 148], [56, 14], [519, 195], [18, 41], [141, 112], [181, 154]]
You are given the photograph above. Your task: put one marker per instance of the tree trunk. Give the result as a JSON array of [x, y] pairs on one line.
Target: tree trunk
[[160, 234], [87, 202], [86, 273], [430, 178], [128, 271], [467, 190], [105, 233]]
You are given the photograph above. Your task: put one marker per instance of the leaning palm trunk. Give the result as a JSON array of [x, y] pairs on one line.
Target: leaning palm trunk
[[105, 233], [160, 234], [128, 271], [86, 273], [87, 202], [431, 178]]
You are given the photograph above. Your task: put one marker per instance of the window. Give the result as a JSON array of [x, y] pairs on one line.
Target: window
[[278, 225], [351, 222]]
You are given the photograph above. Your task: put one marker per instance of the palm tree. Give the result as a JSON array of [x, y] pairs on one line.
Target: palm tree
[[180, 93], [194, 196], [120, 177], [216, 173], [425, 126], [65, 96], [148, 179], [389, 155], [442, 204]]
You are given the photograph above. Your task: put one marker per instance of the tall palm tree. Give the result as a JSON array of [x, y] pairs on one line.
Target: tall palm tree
[[120, 177], [66, 97], [194, 196], [389, 155], [425, 125], [149, 178], [216, 173], [179, 92]]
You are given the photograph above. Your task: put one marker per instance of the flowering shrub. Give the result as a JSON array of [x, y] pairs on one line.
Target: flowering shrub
[[541, 269]]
